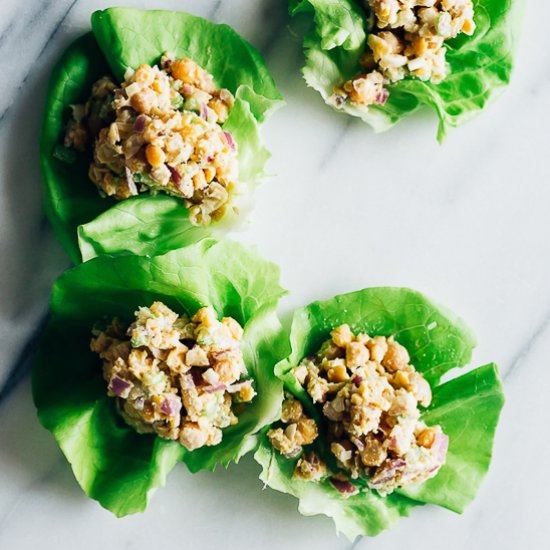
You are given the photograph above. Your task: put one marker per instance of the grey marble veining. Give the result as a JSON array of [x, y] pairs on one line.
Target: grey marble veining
[[466, 222]]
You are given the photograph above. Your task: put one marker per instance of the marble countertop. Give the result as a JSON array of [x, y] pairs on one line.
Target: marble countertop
[[472, 231]]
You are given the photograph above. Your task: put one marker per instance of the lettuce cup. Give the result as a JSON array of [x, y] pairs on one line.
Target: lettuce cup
[[149, 361], [381, 60], [368, 430], [157, 115]]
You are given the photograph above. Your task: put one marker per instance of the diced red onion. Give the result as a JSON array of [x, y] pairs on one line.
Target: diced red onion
[[344, 487], [176, 176], [358, 443], [294, 452], [171, 405], [204, 112], [139, 123], [120, 387], [382, 97], [230, 140], [357, 380], [397, 464]]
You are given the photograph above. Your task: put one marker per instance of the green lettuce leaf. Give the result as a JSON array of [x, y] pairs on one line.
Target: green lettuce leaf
[[337, 24], [115, 465], [130, 37], [127, 37], [145, 226], [467, 407], [480, 65]]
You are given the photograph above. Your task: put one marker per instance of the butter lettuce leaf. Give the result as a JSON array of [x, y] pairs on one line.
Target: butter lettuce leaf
[[480, 65], [337, 24], [467, 407], [124, 38], [129, 37], [114, 464], [141, 225], [468, 410]]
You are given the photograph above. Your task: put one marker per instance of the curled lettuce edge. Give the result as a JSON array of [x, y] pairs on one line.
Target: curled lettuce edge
[[112, 462], [136, 226], [70, 199], [467, 407], [481, 65]]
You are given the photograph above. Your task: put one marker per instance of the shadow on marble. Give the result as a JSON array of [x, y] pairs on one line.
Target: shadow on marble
[[30, 455], [35, 256], [35, 471]]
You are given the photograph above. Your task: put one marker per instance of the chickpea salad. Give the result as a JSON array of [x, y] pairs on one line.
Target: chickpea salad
[[369, 395], [160, 130], [152, 132], [382, 60], [179, 377], [367, 429]]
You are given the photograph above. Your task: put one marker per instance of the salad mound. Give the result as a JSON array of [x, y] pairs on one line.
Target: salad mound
[[167, 107], [382, 60], [156, 387], [160, 131], [368, 393], [363, 436], [406, 40], [179, 377]]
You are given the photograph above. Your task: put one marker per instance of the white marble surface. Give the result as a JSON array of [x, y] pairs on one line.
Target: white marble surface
[[346, 209]]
